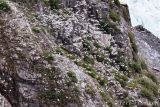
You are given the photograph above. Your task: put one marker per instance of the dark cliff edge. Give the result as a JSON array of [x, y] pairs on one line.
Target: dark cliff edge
[[75, 53], [149, 47]]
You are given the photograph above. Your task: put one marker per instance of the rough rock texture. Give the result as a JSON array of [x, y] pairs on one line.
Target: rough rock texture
[[149, 47], [63, 57]]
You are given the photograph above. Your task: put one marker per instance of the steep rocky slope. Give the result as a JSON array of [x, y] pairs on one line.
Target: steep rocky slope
[[149, 48], [71, 53]]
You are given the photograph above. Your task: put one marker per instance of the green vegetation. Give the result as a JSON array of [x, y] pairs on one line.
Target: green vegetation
[[154, 104], [143, 64], [36, 30], [135, 67], [109, 49], [120, 58], [152, 77], [65, 11], [48, 55], [131, 36], [90, 69], [86, 45], [76, 90], [132, 40], [50, 75], [127, 102], [59, 51], [114, 16], [51, 95], [21, 54], [121, 78], [72, 56], [135, 47], [132, 84], [146, 93], [121, 61], [96, 44], [4, 7], [135, 56], [106, 99], [89, 90], [50, 31], [117, 2], [63, 52], [88, 60], [102, 81], [68, 82], [100, 57], [125, 13], [147, 87], [14, 1], [109, 27], [54, 4], [91, 72], [72, 76]]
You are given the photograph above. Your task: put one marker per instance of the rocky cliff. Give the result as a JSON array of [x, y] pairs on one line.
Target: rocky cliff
[[149, 48], [71, 53]]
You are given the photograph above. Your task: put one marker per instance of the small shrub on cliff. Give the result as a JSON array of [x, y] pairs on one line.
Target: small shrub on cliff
[[50, 75], [127, 102], [109, 49], [135, 56], [89, 90], [114, 16], [152, 77], [132, 40], [102, 81], [149, 85], [76, 90], [88, 60], [121, 78], [143, 64], [72, 76], [21, 54], [135, 47], [125, 13], [117, 2], [99, 56], [146, 93], [48, 55], [96, 44], [106, 99], [51, 95], [121, 61], [86, 45], [53, 4], [36, 30], [135, 67], [67, 12], [4, 6], [109, 27], [131, 37], [145, 83]]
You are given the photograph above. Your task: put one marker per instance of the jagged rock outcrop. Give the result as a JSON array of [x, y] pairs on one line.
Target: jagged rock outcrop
[[149, 47], [79, 54]]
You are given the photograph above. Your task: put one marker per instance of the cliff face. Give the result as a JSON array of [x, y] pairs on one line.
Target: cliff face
[[71, 53], [149, 47]]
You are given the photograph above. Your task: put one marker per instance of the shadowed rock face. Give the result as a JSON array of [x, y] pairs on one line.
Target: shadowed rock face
[[45, 62], [149, 48]]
